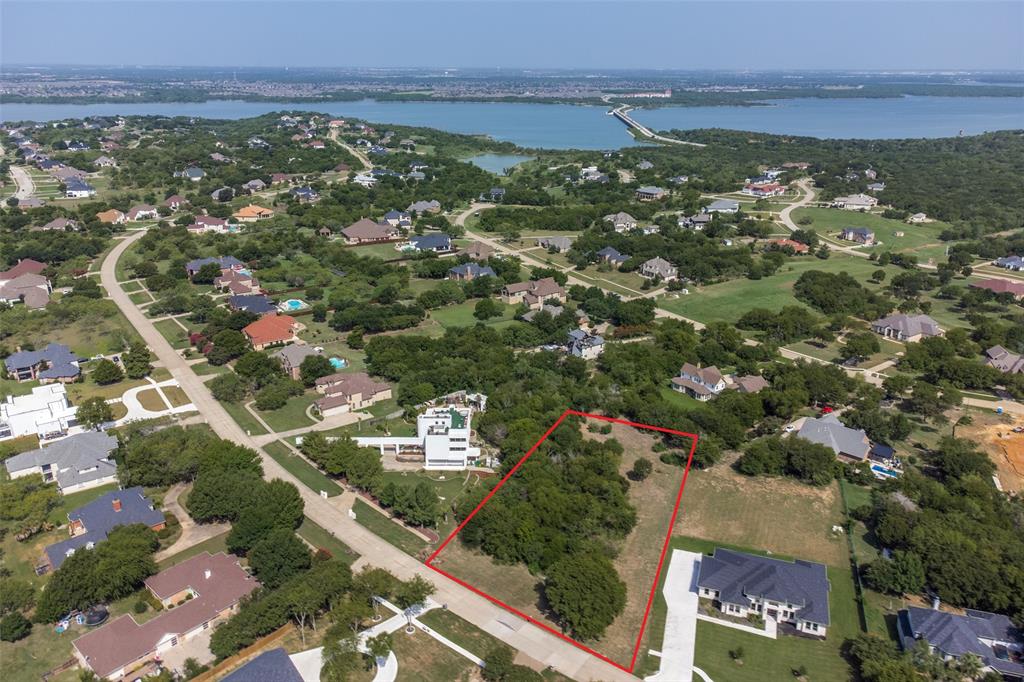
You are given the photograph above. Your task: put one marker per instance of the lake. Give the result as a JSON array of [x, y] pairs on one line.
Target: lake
[[498, 163], [563, 126]]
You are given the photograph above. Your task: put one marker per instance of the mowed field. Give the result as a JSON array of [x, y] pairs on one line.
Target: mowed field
[[730, 300], [636, 561], [921, 239], [776, 515]]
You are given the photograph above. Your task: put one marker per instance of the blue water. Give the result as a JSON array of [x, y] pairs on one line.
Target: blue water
[[560, 126], [498, 163], [294, 304], [338, 363]]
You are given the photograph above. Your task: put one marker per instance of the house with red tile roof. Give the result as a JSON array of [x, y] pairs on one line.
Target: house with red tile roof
[[1001, 286], [272, 330], [797, 247], [197, 594]]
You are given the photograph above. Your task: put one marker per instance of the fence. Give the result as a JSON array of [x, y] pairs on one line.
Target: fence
[[257, 647]]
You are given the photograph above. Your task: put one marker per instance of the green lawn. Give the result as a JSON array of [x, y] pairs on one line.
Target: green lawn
[[677, 398], [920, 239], [204, 368], [218, 543], [320, 538], [12, 387], [730, 300], [387, 529], [173, 332], [244, 419], [298, 467], [292, 415], [59, 514], [461, 315]]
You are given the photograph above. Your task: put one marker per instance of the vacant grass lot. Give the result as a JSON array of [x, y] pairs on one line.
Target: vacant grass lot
[[320, 538], [421, 657], [381, 525], [244, 419], [728, 301], [298, 467], [921, 239], [461, 315], [173, 332]]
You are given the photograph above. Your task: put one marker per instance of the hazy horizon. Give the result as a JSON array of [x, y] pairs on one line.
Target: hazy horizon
[[571, 35]]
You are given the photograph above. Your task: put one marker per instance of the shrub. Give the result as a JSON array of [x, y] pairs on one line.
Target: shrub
[[14, 626]]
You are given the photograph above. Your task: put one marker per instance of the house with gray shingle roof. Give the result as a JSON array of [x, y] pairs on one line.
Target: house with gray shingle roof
[[78, 462], [470, 271], [658, 267], [723, 206], [556, 243], [700, 383], [793, 592], [612, 256], [829, 431], [908, 328], [55, 362], [992, 637], [291, 358], [1005, 361]]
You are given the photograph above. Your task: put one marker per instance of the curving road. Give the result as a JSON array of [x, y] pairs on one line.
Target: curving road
[[532, 640]]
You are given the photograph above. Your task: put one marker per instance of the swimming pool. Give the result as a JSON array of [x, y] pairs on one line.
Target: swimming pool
[[293, 304], [884, 472], [338, 363]]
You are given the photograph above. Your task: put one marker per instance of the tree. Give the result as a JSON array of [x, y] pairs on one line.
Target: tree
[[486, 308], [859, 347], [136, 361], [228, 388], [355, 339], [964, 420], [378, 647], [585, 594], [340, 655], [93, 412], [413, 592], [207, 273], [228, 344], [106, 372], [902, 574], [14, 626], [642, 468], [313, 367], [278, 556], [15, 595]]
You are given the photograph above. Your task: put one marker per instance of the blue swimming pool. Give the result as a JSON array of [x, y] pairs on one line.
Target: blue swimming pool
[[884, 472], [293, 304], [338, 363]]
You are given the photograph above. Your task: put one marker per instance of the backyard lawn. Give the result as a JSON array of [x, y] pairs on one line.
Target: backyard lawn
[[388, 530], [298, 467], [292, 415]]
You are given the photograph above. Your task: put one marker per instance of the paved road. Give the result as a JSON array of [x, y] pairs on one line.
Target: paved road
[[622, 113], [26, 188], [533, 641]]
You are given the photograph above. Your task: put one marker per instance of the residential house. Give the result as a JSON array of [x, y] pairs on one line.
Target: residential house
[[771, 189], [291, 358], [325, 232], [225, 263], [533, 293], [365, 231], [46, 412], [272, 330], [497, 193], [305, 195], [695, 222], [679, 179], [1010, 263], [278, 178], [1005, 361], [78, 462], [60, 225], [421, 207], [111, 217], [658, 267], [198, 594], [416, 175], [795, 246], [722, 206], [584, 345], [700, 383], [396, 218], [236, 282], [31, 290], [208, 223], [143, 212], [193, 173], [855, 202], [104, 162], [876, 186], [53, 363], [349, 392], [275, 666], [556, 243], [478, 251], [467, 272], [30, 203], [861, 235], [1002, 286], [176, 202], [612, 256], [438, 242], [24, 266], [252, 213], [792, 592], [918, 218], [650, 193], [644, 165], [442, 438], [367, 181], [78, 189], [91, 523], [752, 383], [847, 443], [907, 328], [257, 304], [255, 185], [621, 221], [991, 637], [219, 158]]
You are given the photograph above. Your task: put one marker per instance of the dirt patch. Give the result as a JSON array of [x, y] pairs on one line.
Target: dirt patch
[[774, 514], [1005, 448]]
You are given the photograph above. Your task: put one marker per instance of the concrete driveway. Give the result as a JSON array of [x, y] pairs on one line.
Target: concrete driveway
[[681, 622]]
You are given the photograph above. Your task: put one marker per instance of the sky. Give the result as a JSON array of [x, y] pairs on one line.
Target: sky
[[581, 34]]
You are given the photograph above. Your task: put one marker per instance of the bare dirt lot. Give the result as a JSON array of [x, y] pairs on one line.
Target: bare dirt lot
[[994, 434], [774, 514]]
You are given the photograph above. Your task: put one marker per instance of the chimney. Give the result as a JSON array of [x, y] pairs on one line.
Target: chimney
[[207, 573], [116, 504]]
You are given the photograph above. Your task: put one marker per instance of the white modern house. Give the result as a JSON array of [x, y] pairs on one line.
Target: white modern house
[[45, 412], [442, 436]]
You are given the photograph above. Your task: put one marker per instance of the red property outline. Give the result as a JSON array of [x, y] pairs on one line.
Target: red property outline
[[661, 559]]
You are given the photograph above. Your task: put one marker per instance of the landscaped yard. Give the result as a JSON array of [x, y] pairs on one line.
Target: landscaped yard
[[173, 332], [176, 396], [728, 301], [292, 415], [320, 538], [920, 239], [461, 315], [150, 399], [301, 469], [382, 526], [218, 543]]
